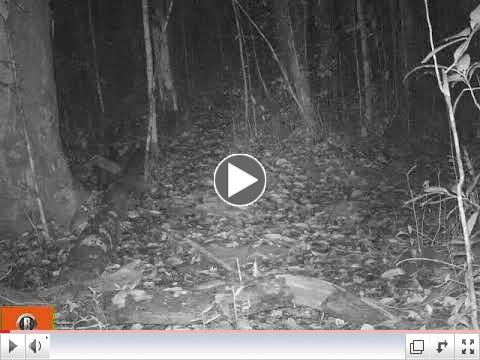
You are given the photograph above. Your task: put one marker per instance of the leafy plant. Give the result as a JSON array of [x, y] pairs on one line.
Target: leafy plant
[[460, 71]]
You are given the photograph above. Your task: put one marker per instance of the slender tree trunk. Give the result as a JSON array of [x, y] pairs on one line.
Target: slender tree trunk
[[161, 49], [98, 82], [393, 10], [406, 33], [367, 83], [291, 58], [305, 9], [219, 33], [151, 146], [188, 76], [358, 75], [243, 62], [167, 94], [35, 182], [327, 39]]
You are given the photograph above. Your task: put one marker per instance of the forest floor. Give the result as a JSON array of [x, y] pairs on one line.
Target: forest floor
[[329, 212]]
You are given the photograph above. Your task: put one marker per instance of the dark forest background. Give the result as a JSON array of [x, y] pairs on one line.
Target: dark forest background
[[206, 64]]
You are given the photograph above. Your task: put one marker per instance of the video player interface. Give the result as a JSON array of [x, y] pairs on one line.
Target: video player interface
[[352, 345]]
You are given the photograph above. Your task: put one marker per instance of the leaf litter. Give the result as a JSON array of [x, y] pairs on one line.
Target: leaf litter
[[327, 213]]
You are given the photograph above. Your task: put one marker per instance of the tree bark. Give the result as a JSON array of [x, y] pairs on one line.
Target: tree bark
[[161, 50], [29, 117], [290, 57], [328, 44], [167, 94], [367, 83]]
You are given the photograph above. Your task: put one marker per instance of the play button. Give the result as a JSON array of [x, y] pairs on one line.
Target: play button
[[239, 179], [11, 346]]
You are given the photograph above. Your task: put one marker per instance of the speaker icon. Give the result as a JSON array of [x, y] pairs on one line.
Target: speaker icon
[[35, 346]]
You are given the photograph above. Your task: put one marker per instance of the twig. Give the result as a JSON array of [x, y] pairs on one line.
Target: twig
[[169, 12], [430, 260], [239, 270], [439, 227], [457, 99], [413, 204], [235, 313], [4, 276], [95, 58]]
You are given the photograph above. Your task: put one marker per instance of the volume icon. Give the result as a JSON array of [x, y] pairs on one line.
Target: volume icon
[[35, 346]]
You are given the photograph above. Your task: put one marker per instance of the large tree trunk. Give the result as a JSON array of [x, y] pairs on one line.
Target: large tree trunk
[[33, 171], [290, 57], [167, 95]]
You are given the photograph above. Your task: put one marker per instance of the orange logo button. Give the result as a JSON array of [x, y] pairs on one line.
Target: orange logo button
[[27, 317]]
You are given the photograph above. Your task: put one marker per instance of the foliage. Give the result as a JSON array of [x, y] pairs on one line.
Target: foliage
[[460, 71]]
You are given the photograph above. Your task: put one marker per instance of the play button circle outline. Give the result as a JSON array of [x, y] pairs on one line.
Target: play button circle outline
[[239, 179]]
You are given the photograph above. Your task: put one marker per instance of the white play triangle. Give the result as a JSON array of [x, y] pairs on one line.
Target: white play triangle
[[238, 180]]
